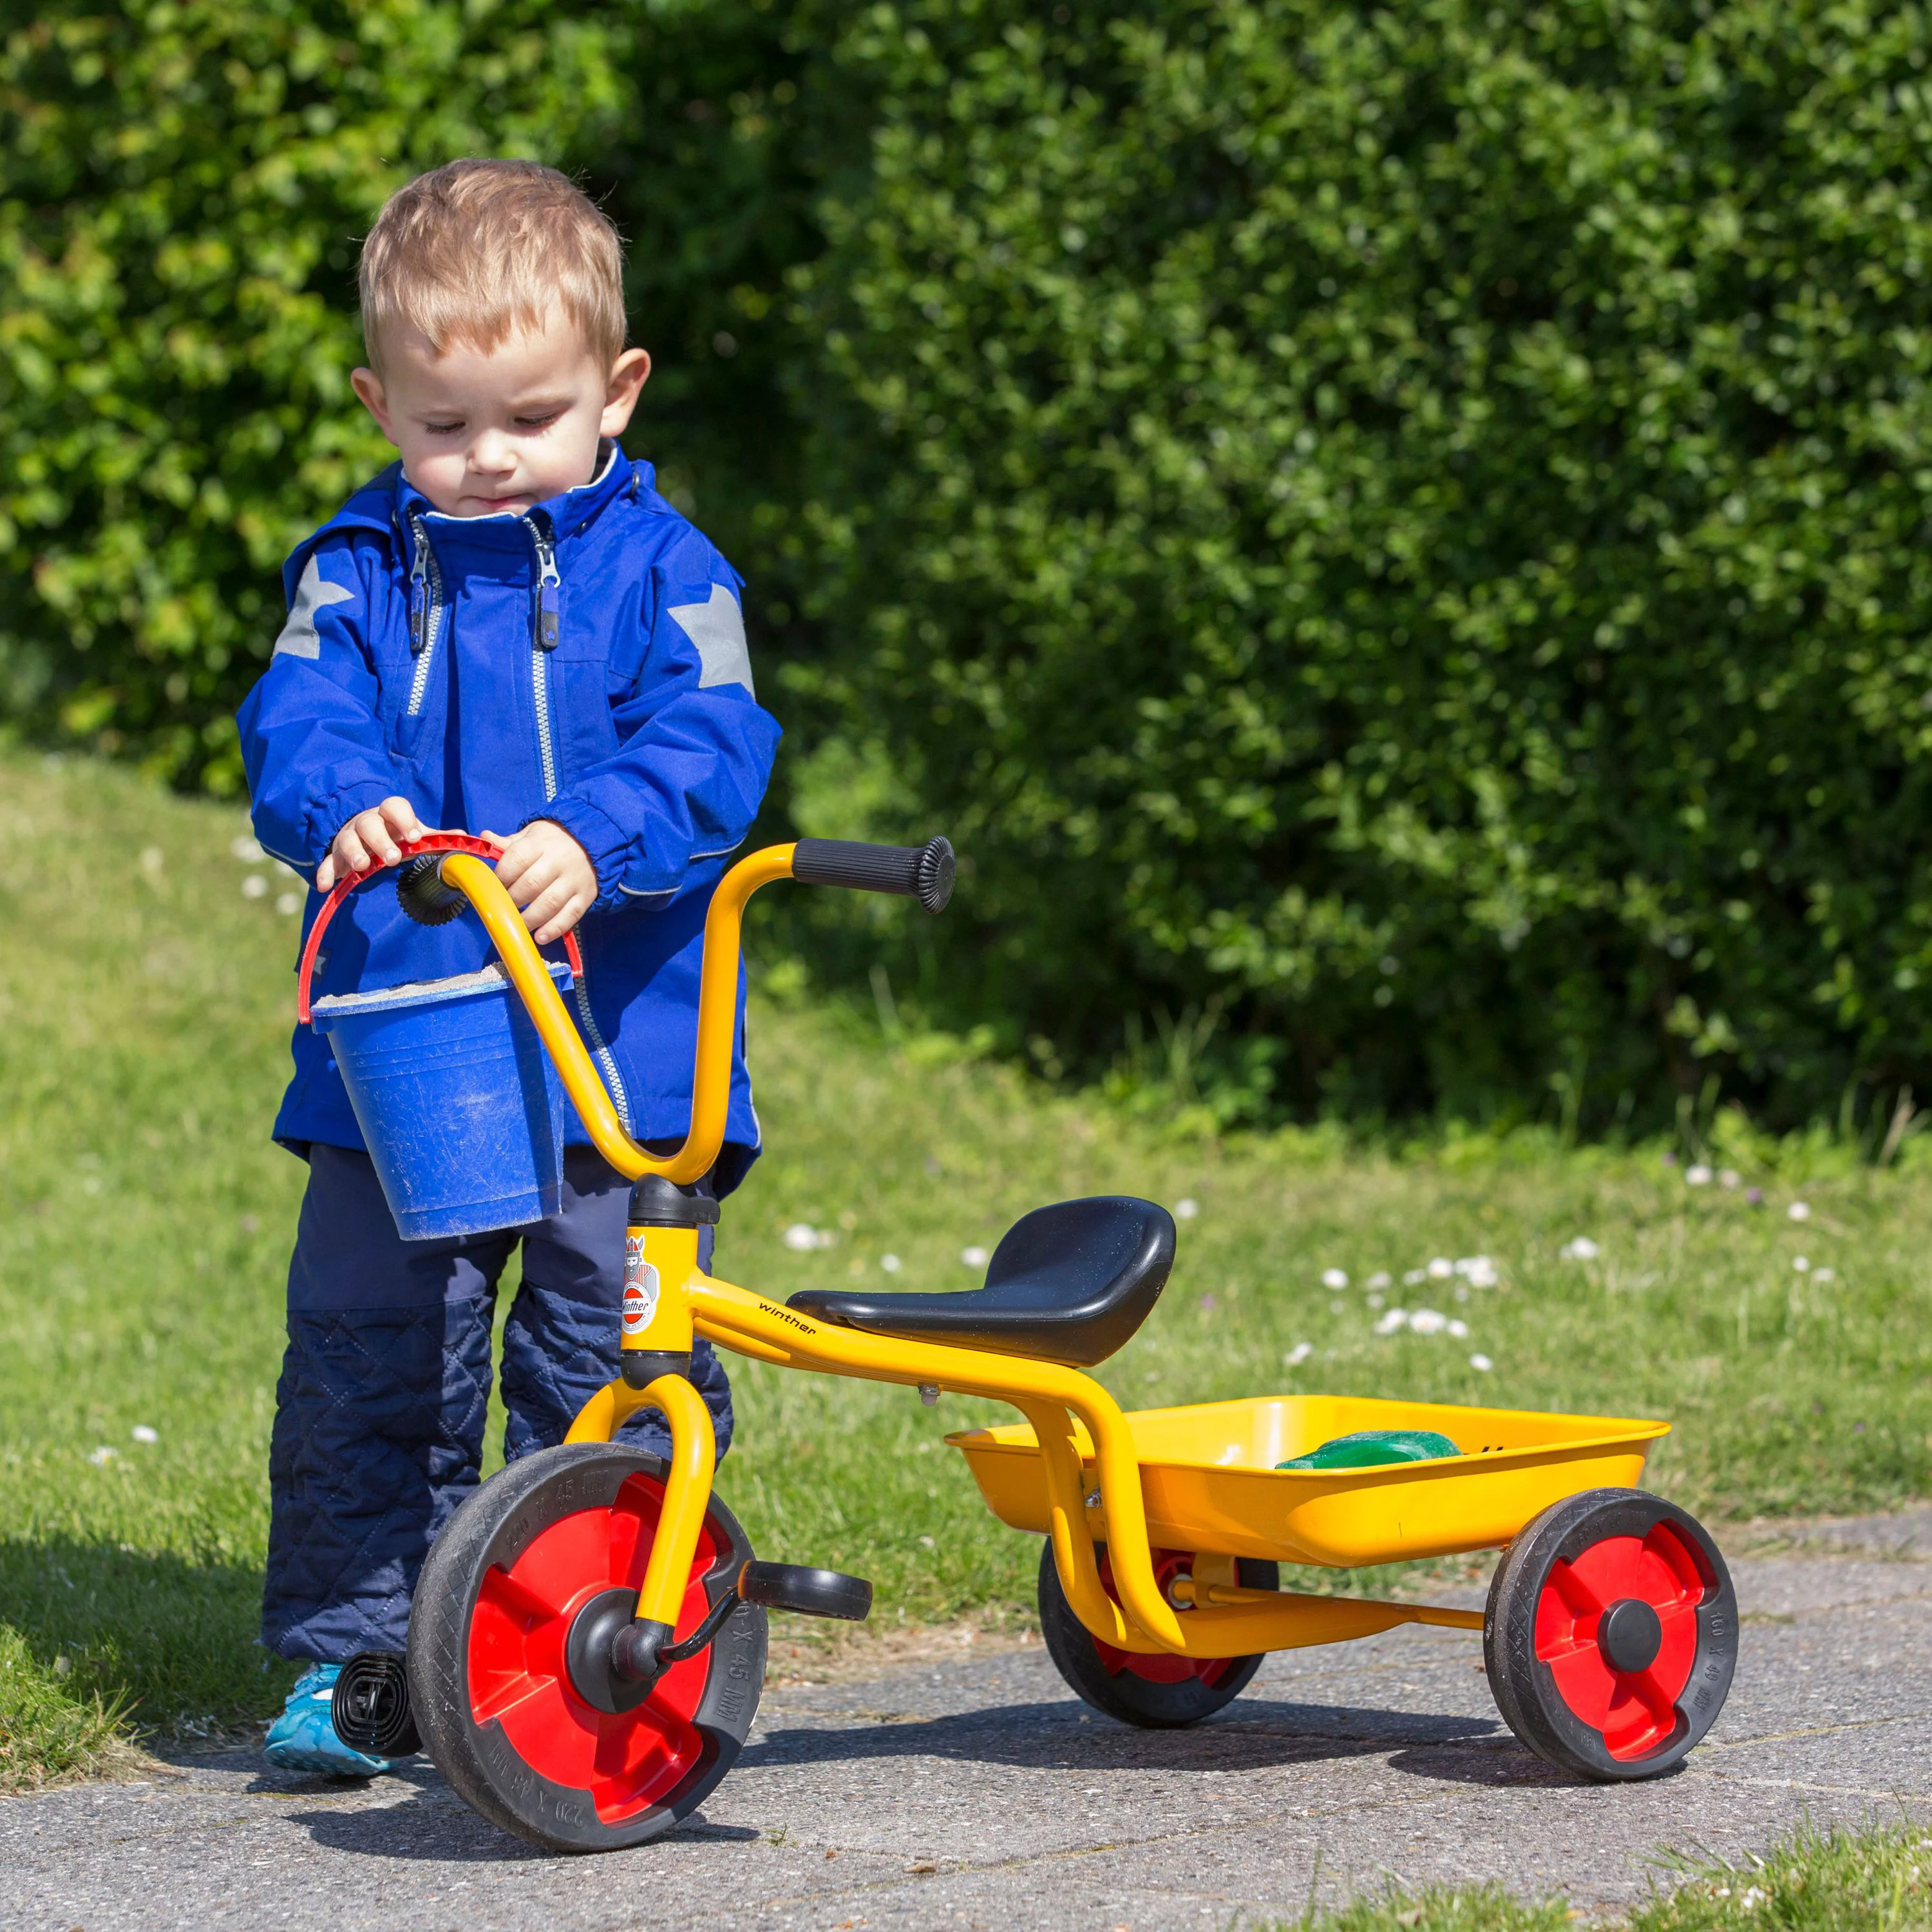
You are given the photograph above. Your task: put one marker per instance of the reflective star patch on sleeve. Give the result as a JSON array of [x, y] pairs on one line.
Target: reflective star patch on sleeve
[[299, 637], [717, 628]]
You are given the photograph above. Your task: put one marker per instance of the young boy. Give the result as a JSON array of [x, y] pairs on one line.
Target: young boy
[[509, 631]]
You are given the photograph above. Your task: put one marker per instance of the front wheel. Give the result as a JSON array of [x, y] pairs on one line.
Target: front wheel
[[1159, 1693], [1611, 1634], [524, 1724]]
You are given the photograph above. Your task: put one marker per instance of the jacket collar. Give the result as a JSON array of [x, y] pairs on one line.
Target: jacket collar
[[568, 513]]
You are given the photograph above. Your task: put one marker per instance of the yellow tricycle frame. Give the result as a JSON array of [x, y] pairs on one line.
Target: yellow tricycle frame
[[1079, 1469]]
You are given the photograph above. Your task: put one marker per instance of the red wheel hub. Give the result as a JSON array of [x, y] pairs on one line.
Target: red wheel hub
[[1165, 1667], [518, 1628], [1635, 1710]]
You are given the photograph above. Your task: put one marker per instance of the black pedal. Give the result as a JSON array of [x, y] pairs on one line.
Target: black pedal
[[371, 1708], [811, 1593]]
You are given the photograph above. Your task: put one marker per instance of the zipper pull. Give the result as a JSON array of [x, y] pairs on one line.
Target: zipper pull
[[549, 624], [419, 589]]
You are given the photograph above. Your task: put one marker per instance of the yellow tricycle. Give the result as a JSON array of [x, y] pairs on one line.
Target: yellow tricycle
[[587, 1641]]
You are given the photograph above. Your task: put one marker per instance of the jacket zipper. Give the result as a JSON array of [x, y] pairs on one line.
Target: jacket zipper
[[543, 634], [425, 613], [546, 628]]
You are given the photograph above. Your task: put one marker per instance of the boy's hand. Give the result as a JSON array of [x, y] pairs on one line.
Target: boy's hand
[[370, 835], [550, 875]]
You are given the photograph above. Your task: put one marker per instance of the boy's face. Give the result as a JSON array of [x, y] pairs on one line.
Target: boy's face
[[482, 431]]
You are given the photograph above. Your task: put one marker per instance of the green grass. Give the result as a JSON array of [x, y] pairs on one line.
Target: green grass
[[1874, 1880], [1837, 1881], [145, 1219], [1484, 1908]]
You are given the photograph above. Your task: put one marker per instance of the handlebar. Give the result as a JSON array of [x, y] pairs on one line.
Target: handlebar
[[921, 872], [925, 872]]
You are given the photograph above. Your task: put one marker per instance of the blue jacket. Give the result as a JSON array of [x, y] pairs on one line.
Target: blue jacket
[[585, 662]]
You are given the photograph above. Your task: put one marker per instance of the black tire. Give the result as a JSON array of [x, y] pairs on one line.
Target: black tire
[[484, 1596], [1118, 1690], [1639, 1645]]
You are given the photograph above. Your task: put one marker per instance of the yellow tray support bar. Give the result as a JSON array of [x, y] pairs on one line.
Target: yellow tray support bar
[[1280, 1619], [1050, 1396]]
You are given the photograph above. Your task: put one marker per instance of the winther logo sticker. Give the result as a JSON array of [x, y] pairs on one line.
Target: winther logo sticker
[[641, 1299]]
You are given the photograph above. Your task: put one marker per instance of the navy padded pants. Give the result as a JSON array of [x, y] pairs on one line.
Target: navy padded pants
[[379, 1411]]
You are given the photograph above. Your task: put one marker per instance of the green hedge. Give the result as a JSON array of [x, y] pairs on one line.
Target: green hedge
[[1405, 529], [182, 187], [1396, 541], [181, 191]]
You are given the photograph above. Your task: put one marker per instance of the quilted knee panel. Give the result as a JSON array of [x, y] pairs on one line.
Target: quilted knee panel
[[558, 1352]]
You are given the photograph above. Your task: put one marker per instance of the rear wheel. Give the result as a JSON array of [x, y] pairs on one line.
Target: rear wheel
[[1611, 1634], [528, 1725], [1161, 1693]]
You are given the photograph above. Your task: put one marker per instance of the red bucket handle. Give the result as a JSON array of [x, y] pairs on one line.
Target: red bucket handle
[[410, 848]]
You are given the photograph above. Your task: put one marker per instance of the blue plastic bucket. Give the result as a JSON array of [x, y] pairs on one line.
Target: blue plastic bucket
[[459, 1107]]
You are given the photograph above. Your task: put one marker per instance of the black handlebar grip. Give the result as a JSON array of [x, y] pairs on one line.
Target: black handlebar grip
[[425, 898], [922, 872]]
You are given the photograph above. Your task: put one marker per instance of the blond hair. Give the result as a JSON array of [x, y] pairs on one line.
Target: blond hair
[[477, 251]]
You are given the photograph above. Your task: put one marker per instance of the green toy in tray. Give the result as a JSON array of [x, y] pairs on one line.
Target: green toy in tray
[[1369, 1447]]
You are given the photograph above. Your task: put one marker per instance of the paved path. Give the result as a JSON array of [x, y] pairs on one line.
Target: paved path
[[979, 1793]]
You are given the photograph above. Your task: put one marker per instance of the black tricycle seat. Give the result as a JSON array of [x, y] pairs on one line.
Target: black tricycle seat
[[1069, 1283]]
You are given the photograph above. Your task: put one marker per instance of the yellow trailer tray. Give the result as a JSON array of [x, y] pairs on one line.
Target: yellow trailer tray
[[1208, 1480]]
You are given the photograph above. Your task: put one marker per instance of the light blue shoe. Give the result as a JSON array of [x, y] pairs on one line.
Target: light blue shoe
[[302, 1738]]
